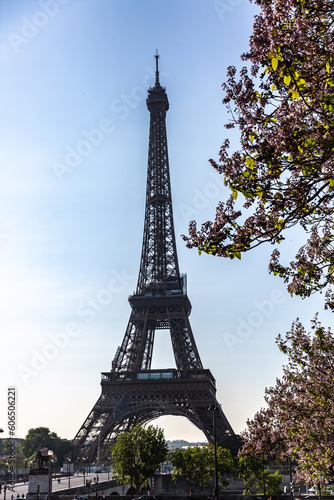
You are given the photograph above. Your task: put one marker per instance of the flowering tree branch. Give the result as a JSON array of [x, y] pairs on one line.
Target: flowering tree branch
[[282, 104]]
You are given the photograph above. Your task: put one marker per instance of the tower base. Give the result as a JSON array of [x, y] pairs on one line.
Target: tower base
[[132, 398]]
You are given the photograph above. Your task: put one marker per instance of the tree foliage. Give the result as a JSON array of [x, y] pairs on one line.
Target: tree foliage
[[225, 464], [299, 419], [250, 471], [5, 446], [42, 437], [283, 104], [193, 463], [138, 453], [269, 484], [196, 464], [253, 473]]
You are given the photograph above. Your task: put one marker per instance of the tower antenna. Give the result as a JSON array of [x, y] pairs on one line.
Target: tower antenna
[[157, 82]]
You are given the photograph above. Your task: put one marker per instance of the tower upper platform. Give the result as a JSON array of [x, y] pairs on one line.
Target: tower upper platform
[[157, 99]]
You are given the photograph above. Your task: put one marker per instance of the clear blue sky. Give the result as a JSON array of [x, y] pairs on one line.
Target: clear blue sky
[[74, 140]]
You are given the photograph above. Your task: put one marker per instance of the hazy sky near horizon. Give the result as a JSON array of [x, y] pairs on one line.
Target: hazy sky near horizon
[[74, 141]]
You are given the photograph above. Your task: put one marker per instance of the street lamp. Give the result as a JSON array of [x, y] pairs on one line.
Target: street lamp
[[97, 483], [84, 470], [132, 474], [5, 485], [109, 466], [25, 470], [69, 473], [50, 454], [290, 474], [98, 458], [214, 408]]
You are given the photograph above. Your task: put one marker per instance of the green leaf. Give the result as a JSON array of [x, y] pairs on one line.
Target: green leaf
[[250, 162], [274, 63], [294, 95]]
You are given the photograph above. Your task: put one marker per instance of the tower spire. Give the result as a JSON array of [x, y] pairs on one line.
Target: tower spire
[[157, 82]]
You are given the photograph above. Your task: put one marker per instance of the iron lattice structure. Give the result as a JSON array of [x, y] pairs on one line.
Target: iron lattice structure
[[133, 393]]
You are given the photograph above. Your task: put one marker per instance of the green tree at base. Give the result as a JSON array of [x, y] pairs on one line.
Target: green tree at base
[[138, 453], [42, 437], [250, 471], [253, 474], [196, 464], [269, 484]]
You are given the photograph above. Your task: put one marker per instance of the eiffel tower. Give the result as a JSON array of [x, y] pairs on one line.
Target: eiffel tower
[[132, 392]]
